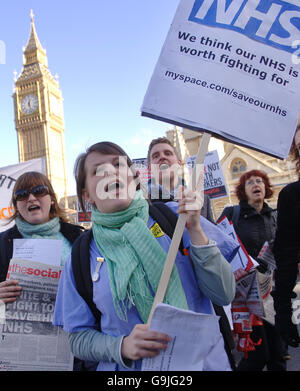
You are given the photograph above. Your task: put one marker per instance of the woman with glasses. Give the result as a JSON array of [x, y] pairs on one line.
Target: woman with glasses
[[36, 215], [255, 224]]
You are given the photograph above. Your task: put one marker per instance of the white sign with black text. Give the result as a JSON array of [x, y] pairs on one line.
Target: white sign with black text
[[231, 68]]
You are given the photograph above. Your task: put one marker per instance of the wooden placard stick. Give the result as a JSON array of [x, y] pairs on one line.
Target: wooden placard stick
[[181, 222]]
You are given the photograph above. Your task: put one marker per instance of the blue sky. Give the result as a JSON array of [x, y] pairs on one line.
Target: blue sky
[[104, 52]]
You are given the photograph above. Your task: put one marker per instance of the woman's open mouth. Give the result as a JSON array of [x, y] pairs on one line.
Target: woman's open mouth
[[256, 192], [32, 208], [113, 187]]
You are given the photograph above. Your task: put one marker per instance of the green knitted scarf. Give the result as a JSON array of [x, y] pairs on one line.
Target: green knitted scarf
[[134, 258]]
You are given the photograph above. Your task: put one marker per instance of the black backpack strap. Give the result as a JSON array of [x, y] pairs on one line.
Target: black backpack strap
[[82, 271], [232, 213], [165, 218], [235, 214]]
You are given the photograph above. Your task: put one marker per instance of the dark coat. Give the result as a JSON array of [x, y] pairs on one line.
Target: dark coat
[[287, 247], [287, 241], [253, 228], [70, 232]]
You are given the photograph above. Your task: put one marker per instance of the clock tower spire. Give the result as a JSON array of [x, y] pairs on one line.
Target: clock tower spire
[[34, 51], [39, 118]]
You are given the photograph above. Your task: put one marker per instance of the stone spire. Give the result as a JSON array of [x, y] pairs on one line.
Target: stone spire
[[34, 51], [33, 41]]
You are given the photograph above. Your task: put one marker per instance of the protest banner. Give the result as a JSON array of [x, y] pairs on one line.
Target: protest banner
[[8, 177], [141, 166], [28, 340], [231, 68], [214, 181], [84, 217]]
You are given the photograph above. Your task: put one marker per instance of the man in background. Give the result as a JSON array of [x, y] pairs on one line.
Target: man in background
[[165, 180]]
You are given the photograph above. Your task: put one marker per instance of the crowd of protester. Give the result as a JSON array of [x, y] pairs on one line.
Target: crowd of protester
[[110, 328]]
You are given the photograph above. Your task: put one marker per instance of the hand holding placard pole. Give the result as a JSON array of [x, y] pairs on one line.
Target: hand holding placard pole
[[164, 280]]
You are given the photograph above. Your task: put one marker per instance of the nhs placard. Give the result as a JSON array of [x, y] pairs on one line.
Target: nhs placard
[[231, 67], [271, 22]]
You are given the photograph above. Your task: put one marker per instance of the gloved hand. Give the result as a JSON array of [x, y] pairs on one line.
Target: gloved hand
[[287, 329], [263, 266]]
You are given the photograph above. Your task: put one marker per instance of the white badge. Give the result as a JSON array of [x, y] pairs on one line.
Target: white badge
[[96, 273]]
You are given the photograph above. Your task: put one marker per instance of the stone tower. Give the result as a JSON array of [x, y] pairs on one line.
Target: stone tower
[[39, 118]]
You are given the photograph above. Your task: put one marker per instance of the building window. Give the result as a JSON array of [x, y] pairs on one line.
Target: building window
[[238, 167]]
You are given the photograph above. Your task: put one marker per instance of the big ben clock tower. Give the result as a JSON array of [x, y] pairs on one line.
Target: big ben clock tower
[[39, 118]]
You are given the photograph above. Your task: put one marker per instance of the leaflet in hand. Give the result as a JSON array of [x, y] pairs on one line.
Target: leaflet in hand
[[47, 251], [196, 345]]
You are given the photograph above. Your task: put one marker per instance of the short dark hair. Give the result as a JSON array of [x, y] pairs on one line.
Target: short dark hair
[[30, 179], [159, 140], [104, 147], [240, 188]]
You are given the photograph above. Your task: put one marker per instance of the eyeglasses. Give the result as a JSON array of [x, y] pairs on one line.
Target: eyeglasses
[[37, 191], [258, 181]]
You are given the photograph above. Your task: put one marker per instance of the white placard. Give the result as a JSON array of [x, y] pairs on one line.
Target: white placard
[[214, 181], [141, 165], [232, 69]]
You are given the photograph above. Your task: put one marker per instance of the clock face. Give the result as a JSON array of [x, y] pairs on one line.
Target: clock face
[[29, 104]]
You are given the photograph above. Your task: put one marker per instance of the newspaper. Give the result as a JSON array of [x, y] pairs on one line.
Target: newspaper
[[28, 340], [247, 291], [265, 285], [266, 282], [186, 327], [255, 287], [267, 256]]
